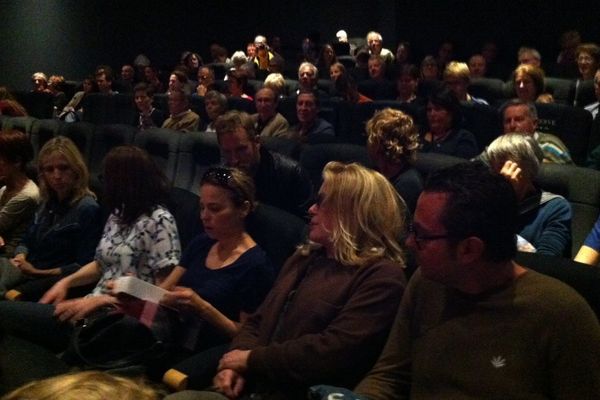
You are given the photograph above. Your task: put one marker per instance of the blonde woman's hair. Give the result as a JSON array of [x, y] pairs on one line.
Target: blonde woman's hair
[[88, 385], [65, 147], [367, 214], [458, 70], [393, 134]]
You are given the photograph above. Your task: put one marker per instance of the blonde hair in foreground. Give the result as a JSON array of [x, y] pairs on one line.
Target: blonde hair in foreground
[[89, 385], [367, 212]]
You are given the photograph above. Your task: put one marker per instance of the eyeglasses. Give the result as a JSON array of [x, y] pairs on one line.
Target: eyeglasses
[[419, 238], [219, 175]]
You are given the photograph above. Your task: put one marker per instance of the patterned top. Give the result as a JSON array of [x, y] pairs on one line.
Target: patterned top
[[141, 249]]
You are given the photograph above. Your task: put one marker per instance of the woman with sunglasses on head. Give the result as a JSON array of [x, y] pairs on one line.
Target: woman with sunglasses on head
[[65, 229], [140, 238], [223, 275], [330, 311]]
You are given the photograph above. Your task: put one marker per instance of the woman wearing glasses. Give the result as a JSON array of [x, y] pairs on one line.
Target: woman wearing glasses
[[65, 229], [328, 315]]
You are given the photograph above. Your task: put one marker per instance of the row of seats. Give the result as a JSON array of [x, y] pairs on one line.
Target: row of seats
[[573, 125], [184, 157]]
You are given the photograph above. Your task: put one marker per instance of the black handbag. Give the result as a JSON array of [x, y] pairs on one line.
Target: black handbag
[[110, 339]]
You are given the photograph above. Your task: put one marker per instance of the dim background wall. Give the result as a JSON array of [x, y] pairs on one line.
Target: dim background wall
[[72, 37]]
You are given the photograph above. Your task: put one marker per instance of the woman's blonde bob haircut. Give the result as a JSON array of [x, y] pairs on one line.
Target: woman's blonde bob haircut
[[65, 147], [367, 214], [89, 385]]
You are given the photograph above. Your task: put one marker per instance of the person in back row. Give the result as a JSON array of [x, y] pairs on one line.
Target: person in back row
[[182, 118], [521, 116], [267, 121], [310, 128], [474, 324], [279, 181]]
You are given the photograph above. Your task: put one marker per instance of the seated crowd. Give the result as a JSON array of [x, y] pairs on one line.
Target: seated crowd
[[406, 286]]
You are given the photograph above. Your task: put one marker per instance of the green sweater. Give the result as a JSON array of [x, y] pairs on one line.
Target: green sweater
[[534, 339]]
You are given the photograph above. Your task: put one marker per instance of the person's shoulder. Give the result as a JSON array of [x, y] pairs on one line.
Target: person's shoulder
[[550, 294], [88, 202]]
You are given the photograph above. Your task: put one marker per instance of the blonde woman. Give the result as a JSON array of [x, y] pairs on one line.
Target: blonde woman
[[65, 229], [331, 308]]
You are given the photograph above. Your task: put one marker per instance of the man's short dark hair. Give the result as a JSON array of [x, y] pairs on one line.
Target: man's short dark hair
[[232, 120], [312, 93], [481, 203], [517, 103], [148, 89]]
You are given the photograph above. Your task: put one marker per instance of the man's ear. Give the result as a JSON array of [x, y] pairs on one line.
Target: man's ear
[[470, 250]]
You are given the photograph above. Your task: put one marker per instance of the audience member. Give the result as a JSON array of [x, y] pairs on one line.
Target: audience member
[[86, 385], [206, 80], [544, 217], [237, 82], [458, 77], [104, 82], [308, 75], [267, 121], [375, 43], [403, 54], [529, 56], [279, 181], [66, 227], [74, 107], [467, 287], [588, 59], [347, 89], [327, 58], [181, 118], [392, 143], [429, 69], [178, 81], [528, 82], [151, 78], [566, 62], [127, 80], [349, 272], [56, 88], [376, 68], [593, 107], [276, 83], [40, 82], [19, 195], [589, 253], [445, 54], [521, 117], [215, 104], [148, 116], [310, 127], [407, 83], [192, 63], [140, 239], [444, 134], [223, 275], [335, 70], [477, 66]]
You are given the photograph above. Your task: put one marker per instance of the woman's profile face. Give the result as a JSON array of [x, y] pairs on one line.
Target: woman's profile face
[[321, 221], [58, 175], [220, 217]]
